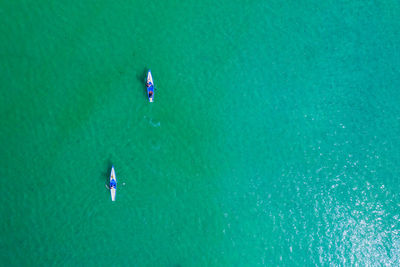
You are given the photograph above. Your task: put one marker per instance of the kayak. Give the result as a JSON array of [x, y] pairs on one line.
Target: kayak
[[113, 184], [150, 86]]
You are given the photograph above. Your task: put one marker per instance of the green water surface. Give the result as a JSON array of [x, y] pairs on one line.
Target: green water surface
[[273, 139]]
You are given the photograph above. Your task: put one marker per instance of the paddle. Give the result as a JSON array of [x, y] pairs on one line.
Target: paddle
[[109, 187]]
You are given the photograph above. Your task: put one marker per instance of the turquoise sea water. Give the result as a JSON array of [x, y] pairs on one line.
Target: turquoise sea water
[[273, 139]]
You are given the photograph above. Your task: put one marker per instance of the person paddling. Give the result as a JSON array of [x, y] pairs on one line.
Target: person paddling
[[113, 184]]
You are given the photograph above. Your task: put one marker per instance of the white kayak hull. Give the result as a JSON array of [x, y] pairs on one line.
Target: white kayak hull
[[149, 77], [114, 189], [149, 80]]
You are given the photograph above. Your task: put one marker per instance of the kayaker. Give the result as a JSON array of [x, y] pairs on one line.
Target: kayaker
[[148, 84], [150, 94]]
